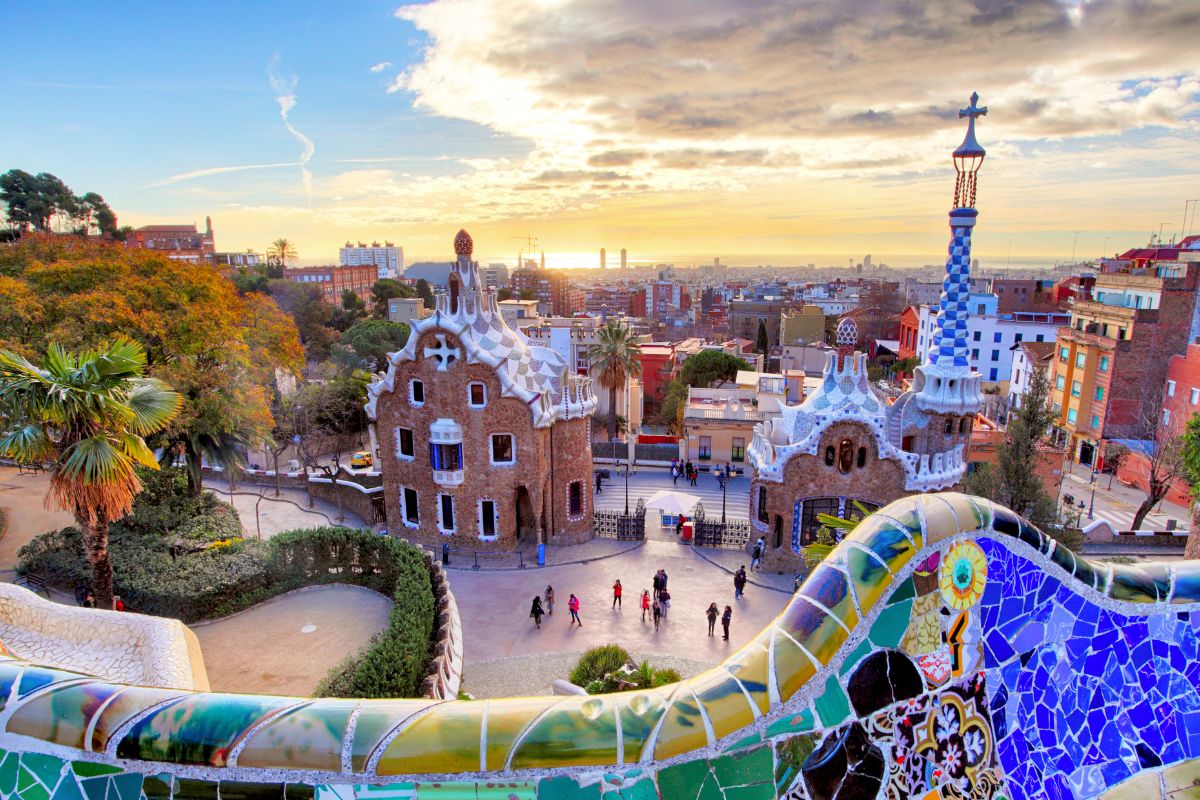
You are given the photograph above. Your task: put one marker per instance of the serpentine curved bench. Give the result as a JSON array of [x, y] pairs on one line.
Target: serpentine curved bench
[[945, 649]]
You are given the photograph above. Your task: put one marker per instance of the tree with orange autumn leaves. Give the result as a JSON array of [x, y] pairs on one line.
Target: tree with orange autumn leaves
[[218, 350]]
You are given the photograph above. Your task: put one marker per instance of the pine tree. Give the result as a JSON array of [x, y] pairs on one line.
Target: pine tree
[[763, 344]]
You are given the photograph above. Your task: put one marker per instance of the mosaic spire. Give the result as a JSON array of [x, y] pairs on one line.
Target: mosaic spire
[[950, 336]]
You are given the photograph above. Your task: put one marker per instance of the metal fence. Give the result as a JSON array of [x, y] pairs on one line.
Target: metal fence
[[622, 527], [733, 534]]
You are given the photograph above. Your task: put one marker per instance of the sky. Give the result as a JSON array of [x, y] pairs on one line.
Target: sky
[[758, 131]]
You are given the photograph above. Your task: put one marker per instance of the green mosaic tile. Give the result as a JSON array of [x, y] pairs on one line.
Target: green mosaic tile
[[576, 731], [237, 790], [376, 720], [67, 789], [905, 591], [724, 702], [891, 624], [506, 720], [447, 741], [90, 769], [308, 737], [199, 728], [30, 788], [8, 773], [640, 713], [61, 715], [564, 787], [790, 755], [1147, 583], [642, 789], [461, 790], [34, 678], [745, 775], [854, 656], [796, 723], [888, 541], [47, 769], [742, 744], [833, 707]]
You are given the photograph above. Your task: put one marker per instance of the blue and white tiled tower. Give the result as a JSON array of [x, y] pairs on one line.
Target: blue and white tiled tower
[[946, 383], [934, 418]]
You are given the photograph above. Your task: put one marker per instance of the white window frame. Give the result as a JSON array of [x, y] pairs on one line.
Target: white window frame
[[1170, 388], [1195, 396], [492, 452], [412, 436], [482, 386], [441, 522], [411, 399], [495, 519], [1166, 417], [404, 507]]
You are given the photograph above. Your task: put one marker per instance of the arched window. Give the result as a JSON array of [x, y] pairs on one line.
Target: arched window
[[829, 455], [845, 455], [949, 426], [778, 531], [861, 461], [962, 425], [763, 516], [454, 290]]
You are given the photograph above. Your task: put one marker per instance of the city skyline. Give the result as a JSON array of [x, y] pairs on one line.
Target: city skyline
[[730, 129]]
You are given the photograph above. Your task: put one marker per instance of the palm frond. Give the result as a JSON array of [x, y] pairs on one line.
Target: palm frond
[[28, 442], [135, 447], [95, 460], [152, 404]]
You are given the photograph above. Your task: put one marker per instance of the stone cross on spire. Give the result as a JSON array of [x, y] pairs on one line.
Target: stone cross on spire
[[970, 147]]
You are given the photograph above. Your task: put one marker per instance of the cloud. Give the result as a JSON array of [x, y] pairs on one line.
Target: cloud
[[285, 90], [380, 67], [744, 87], [207, 171]]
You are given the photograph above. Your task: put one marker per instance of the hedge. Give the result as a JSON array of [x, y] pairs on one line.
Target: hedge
[[232, 576]]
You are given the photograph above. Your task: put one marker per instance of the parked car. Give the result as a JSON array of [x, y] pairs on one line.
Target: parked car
[[361, 459]]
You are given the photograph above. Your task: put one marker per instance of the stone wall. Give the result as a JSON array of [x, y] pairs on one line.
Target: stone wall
[[445, 674], [114, 645], [944, 649], [354, 497]]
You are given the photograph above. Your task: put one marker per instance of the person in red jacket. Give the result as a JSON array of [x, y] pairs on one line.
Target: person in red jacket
[[573, 607], [617, 590], [645, 603]]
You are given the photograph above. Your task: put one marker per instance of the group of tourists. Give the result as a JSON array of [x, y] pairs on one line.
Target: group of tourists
[[691, 473], [656, 606]]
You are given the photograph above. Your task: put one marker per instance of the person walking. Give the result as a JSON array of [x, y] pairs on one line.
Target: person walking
[[713, 612], [573, 607], [645, 603], [599, 482], [760, 547], [617, 591], [695, 474], [725, 618], [664, 600], [657, 583], [549, 601], [657, 613], [687, 472], [536, 611], [663, 572], [674, 474], [739, 582]]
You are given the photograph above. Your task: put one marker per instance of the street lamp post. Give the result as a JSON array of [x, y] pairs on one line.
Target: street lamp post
[[1092, 500]]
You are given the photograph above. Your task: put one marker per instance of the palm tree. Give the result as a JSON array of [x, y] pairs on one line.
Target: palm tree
[[615, 358], [283, 252], [87, 414]]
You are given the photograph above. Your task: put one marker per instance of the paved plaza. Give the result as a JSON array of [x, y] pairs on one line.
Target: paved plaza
[[287, 644]]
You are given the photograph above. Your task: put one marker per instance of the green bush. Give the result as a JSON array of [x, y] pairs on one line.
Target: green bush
[[154, 576], [597, 662]]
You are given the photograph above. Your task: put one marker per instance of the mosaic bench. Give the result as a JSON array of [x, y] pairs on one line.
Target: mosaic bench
[[945, 649]]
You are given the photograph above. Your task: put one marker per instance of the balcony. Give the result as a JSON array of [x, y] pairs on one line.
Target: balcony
[[448, 477]]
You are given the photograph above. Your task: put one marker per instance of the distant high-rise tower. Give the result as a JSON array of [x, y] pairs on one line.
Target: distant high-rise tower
[[602, 264], [624, 264], [543, 259], [867, 261]]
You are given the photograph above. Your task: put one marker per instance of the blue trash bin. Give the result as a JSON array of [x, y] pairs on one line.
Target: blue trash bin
[[541, 554]]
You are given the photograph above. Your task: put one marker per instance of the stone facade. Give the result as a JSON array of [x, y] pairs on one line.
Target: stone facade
[[484, 437]]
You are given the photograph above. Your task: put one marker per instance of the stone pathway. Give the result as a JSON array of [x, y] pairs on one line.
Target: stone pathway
[[287, 644], [24, 497], [531, 675], [278, 514]]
